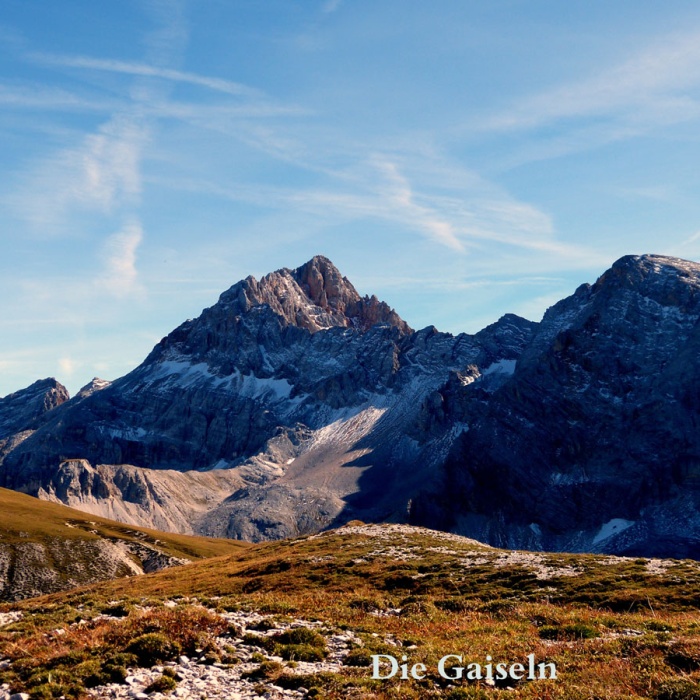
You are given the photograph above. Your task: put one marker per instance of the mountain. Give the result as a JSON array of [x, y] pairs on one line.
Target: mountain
[[294, 404], [45, 548], [592, 444], [290, 404]]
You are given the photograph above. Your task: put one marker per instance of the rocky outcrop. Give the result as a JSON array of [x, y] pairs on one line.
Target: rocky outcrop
[[21, 410], [590, 442], [161, 499], [45, 548], [30, 569]]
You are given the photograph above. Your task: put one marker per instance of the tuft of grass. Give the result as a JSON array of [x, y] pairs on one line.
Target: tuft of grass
[[162, 684], [678, 689], [577, 630], [153, 648]]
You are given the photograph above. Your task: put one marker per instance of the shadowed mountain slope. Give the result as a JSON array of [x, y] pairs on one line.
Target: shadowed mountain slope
[[593, 442]]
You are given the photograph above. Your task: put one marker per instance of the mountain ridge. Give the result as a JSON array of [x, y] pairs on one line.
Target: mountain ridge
[[306, 416]]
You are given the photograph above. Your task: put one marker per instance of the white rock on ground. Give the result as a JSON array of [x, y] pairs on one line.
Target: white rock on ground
[[222, 682]]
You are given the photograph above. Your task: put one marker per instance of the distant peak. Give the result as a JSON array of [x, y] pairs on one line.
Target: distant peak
[[314, 296], [19, 410], [96, 384], [49, 386], [323, 284], [644, 272]]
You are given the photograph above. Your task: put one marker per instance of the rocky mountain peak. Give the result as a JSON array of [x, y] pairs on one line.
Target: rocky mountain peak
[[19, 410], [95, 384], [314, 296], [651, 275], [322, 282]]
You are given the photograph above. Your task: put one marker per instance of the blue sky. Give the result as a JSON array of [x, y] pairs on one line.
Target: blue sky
[[460, 159]]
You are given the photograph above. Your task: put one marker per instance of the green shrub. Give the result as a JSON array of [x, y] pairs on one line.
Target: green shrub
[[48, 691], [164, 684], [574, 631], [256, 640], [263, 626], [678, 689], [266, 670], [467, 694], [358, 657], [292, 681], [366, 604], [301, 652], [71, 658], [56, 676], [455, 605], [109, 672], [153, 648], [301, 635], [417, 607], [211, 658], [121, 609]]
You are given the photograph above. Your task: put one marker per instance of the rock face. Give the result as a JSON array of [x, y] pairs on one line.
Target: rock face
[[294, 404], [22, 409], [291, 404], [592, 443], [30, 569]]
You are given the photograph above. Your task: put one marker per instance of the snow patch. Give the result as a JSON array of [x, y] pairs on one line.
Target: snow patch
[[500, 367], [126, 433], [253, 387], [187, 374], [612, 527]]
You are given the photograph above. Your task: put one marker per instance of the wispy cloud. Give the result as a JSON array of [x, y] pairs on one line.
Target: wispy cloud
[[67, 365], [450, 207], [647, 88], [41, 98], [120, 276], [331, 6], [146, 70], [101, 173], [399, 195]]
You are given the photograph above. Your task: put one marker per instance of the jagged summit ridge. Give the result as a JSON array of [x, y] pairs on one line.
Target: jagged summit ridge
[[314, 296]]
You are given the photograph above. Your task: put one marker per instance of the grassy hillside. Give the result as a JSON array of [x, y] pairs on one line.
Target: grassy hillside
[[46, 547], [612, 627], [25, 518]]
